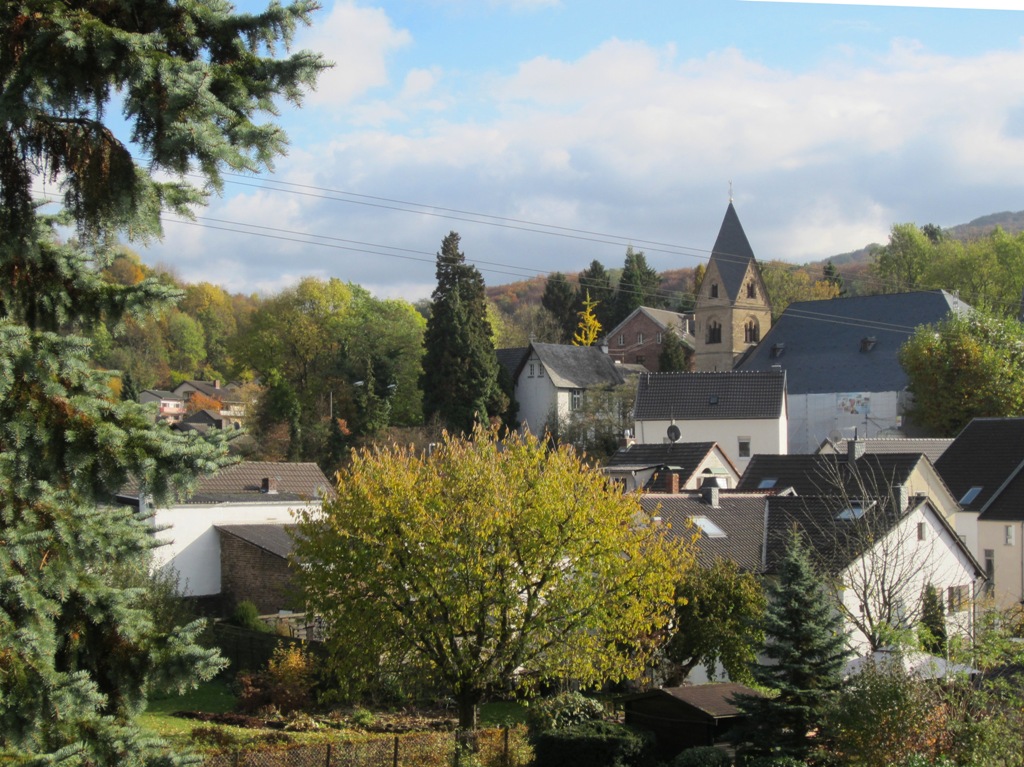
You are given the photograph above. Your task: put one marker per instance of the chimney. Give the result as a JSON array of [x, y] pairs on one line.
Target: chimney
[[270, 485], [709, 492], [672, 481], [855, 448], [216, 384]]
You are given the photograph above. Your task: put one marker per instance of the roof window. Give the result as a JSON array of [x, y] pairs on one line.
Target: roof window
[[867, 343], [855, 510], [778, 350], [707, 527], [767, 483], [970, 495]]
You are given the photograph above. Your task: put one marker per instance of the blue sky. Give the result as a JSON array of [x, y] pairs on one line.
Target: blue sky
[[562, 131]]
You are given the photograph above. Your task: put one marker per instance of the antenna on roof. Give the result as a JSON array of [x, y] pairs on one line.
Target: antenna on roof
[[730, 191]]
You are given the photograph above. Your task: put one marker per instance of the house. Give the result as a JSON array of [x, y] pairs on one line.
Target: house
[[745, 413], [932, 447], [640, 337], [170, 406], [841, 361], [232, 407], [858, 474], [670, 467], [551, 381], [732, 311], [688, 716], [254, 567], [247, 493], [984, 469]]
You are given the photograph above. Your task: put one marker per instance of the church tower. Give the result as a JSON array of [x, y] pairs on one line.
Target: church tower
[[732, 311]]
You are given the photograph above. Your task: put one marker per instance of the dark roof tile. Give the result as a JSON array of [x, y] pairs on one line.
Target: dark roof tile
[[710, 395]]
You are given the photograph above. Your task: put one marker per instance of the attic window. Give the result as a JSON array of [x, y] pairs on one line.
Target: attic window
[[778, 350], [751, 290], [714, 290], [970, 495], [867, 343], [708, 528], [855, 510], [767, 483]]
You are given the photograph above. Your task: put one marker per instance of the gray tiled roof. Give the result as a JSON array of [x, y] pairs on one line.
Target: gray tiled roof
[[713, 699], [710, 395], [821, 474], [732, 253], [228, 393], [819, 343], [511, 358], [578, 367], [739, 515], [684, 455], [933, 447], [988, 453], [243, 483], [275, 539]]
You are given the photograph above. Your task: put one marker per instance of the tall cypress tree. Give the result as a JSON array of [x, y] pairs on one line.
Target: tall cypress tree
[[805, 653], [559, 300], [638, 286], [78, 649], [460, 369], [596, 283]]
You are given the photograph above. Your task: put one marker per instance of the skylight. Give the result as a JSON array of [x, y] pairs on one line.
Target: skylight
[[970, 495], [707, 527], [855, 510], [767, 483]]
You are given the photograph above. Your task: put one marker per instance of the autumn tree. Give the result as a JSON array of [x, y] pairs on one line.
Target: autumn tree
[[970, 365], [588, 330], [718, 621], [787, 283], [190, 83], [484, 565], [900, 264], [598, 424], [460, 369]]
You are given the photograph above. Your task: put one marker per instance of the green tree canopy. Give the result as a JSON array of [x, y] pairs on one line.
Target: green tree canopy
[[638, 286], [803, 659], [78, 648], [674, 355], [559, 300], [900, 265], [597, 283], [484, 565], [460, 369], [970, 365]]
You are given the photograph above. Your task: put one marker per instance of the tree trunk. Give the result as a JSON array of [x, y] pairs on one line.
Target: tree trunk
[[467, 711]]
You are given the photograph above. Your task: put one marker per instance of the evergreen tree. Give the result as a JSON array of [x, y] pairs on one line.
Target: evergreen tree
[[559, 300], [933, 622], [79, 649], [460, 369], [638, 286], [832, 276], [805, 653], [595, 282], [675, 355]]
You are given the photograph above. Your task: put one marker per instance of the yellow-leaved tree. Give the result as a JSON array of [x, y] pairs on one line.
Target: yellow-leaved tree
[[589, 329], [489, 563]]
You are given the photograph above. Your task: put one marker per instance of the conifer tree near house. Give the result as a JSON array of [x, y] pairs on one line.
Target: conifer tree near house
[[79, 651], [638, 286], [559, 300], [595, 283], [460, 369], [805, 650]]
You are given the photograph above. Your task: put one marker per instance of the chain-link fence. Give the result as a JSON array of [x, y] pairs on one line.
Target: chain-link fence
[[497, 747]]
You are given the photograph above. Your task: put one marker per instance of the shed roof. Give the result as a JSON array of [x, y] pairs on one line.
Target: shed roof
[[274, 539]]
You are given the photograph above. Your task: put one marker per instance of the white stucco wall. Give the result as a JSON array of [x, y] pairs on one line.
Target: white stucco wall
[[767, 436], [538, 397], [909, 565], [1008, 585], [192, 547], [812, 417]]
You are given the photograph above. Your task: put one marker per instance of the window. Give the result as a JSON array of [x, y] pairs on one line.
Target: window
[[744, 448], [540, 371], [658, 338], [640, 359], [622, 339], [640, 337], [990, 571], [707, 528], [1008, 535], [751, 332], [855, 510], [575, 399], [751, 290], [714, 290], [956, 598], [767, 483], [970, 495], [920, 531], [531, 370], [714, 332]]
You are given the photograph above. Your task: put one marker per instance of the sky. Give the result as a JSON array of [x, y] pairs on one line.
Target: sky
[[549, 133]]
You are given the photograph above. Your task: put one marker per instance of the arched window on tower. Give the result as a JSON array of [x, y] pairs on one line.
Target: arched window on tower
[[714, 335], [714, 290], [751, 290], [751, 332]]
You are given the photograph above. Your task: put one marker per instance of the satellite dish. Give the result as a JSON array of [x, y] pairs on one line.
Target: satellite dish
[[835, 437], [673, 433]]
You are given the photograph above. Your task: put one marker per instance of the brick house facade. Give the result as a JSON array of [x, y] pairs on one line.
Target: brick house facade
[[639, 338], [254, 567]]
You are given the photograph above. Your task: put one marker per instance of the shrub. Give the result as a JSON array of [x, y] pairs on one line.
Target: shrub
[[361, 717], [702, 756], [286, 684], [563, 710], [247, 615], [209, 735], [593, 744], [774, 761]]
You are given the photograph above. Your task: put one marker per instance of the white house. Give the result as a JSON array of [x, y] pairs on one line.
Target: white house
[[745, 413], [670, 467], [551, 381], [247, 493]]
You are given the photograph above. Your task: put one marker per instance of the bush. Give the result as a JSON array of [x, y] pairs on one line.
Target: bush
[[566, 709], [286, 684], [593, 744], [774, 761], [702, 756], [247, 615]]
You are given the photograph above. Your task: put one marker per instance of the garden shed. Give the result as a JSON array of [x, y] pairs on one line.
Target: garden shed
[[687, 716]]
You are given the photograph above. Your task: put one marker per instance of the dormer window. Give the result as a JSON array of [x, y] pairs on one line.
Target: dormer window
[[868, 343], [778, 350]]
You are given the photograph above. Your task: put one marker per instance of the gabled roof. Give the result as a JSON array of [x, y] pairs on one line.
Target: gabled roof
[[847, 344], [274, 539], [739, 515], [710, 396], [161, 393], [678, 322], [576, 367], [683, 455], [715, 700], [933, 447], [243, 483], [822, 474], [228, 393], [511, 358], [732, 253], [989, 455]]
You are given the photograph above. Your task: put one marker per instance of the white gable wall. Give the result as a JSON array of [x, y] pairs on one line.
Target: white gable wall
[[538, 397], [192, 549], [812, 417], [767, 436]]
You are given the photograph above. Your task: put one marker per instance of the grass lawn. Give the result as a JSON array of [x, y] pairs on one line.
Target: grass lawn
[[214, 697], [502, 712]]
